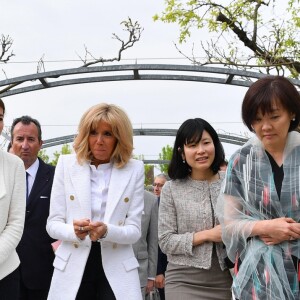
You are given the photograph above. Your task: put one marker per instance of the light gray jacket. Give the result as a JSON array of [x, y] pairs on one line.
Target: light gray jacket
[[146, 248], [185, 208], [12, 210]]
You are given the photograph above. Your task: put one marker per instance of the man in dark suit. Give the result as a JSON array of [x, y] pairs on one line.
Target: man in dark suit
[[35, 251], [162, 261], [145, 249]]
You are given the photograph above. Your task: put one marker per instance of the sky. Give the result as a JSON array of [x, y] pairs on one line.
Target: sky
[[58, 31]]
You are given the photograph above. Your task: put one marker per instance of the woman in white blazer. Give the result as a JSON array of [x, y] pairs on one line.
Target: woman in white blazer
[[12, 216], [95, 210]]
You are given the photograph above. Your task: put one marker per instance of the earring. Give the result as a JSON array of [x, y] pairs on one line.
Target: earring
[[294, 119], [183, 161]]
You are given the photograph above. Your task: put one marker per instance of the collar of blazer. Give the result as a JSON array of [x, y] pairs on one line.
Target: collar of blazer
[[2, 176], [81, 180]]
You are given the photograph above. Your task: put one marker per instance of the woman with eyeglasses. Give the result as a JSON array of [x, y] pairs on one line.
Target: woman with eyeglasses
[[188, 229]]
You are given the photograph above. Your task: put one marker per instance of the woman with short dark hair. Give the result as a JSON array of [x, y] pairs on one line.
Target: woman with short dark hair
[[259, 210]]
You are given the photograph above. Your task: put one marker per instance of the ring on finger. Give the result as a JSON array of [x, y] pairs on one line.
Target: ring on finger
[[81, 228]]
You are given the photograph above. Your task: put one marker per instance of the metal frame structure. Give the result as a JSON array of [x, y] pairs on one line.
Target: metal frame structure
[[51, 79], [57, 78], [226, 138]]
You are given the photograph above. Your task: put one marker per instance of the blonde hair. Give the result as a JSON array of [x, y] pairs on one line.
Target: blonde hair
[[121, 129]]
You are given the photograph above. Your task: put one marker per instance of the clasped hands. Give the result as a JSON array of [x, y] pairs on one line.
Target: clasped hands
[[280, 230], [84, 227]]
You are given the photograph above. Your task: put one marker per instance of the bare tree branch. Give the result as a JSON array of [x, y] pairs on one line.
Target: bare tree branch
[[133, 28], [41, 66], [269, 58], [4, 74], [6, 43]]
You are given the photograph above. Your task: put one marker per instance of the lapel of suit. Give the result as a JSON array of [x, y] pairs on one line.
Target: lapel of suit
[[118, 182], [41, 179], [81, 181], [2, 176]]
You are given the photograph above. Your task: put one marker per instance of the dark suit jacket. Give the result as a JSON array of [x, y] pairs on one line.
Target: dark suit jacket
[[162, 260], [35, 251]]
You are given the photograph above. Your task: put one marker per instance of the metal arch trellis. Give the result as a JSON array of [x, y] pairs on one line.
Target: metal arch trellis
[[226, 138], [51, 79]]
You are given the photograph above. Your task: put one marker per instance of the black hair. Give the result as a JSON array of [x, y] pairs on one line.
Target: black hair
[[26, 120], [2, 105], [191, 132], [262, 94]]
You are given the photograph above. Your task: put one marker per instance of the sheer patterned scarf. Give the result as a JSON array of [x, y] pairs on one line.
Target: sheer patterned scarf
[[249, 194]]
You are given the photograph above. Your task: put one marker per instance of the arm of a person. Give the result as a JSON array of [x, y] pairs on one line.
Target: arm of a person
[[12, 233], [162, 263], [160, 281], [276, 230], [150, 285], [152, 241], [271, 232], [57, 226], [130, 232], [209, 235], [170, 241]]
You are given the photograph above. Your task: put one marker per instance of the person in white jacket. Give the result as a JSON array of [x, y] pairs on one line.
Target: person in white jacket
[[12, 216], [95, 210]]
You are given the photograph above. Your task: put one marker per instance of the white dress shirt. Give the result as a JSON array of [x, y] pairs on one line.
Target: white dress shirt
[[100, 178]]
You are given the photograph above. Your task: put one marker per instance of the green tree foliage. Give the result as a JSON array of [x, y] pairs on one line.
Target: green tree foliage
[[245, 34], [149, 174], [149, 171], [66, 149], [166, 154], [43, 155]]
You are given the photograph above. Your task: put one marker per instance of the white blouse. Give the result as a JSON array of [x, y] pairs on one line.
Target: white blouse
[[100, 178]]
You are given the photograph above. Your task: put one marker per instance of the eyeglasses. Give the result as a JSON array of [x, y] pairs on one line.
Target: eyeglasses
[[159, 185]]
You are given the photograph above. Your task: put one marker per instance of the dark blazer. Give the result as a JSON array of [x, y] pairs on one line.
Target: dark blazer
[[35, 251], [162, 261]]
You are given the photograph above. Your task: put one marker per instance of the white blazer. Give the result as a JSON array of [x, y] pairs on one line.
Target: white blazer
[[71, 199], [12, 210]]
